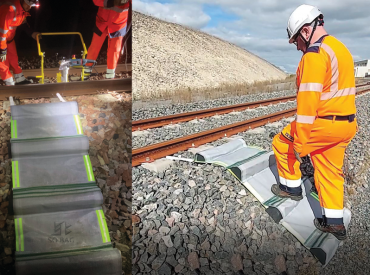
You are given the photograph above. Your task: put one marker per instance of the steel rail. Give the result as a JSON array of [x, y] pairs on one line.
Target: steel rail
[[52, 72], [183, 117], [171, 119], [160, 150], [362, 85], [65, 89]]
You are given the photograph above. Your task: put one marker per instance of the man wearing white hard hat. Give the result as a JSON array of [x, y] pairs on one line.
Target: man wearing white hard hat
[[325, 122]]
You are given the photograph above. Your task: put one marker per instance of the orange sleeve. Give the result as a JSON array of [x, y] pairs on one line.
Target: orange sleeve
[[310, 80], [6, 16]]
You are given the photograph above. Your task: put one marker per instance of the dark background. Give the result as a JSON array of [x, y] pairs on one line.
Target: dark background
[[60, 16]]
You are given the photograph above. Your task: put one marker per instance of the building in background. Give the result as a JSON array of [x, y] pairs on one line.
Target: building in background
[[362, 68]]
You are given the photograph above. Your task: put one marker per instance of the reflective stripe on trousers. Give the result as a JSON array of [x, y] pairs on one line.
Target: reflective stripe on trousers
[[9, 81], [326, 158], [110, 73]]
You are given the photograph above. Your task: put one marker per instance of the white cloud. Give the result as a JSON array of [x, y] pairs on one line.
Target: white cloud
[[183, 14], [357, 57]]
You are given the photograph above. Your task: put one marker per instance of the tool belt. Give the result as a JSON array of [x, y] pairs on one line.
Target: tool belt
[[350, 118]]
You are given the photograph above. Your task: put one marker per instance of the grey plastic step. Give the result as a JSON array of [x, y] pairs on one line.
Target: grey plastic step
[[258, 173], [59, 223], [104, 262]]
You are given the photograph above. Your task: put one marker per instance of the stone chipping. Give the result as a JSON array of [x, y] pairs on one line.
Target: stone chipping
[[198, 216]]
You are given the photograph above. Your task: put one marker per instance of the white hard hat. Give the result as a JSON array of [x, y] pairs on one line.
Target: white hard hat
[[304, 14]]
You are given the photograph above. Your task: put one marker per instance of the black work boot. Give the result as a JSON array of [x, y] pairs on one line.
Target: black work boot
[[283, 194], [338, 230], [26, 81]]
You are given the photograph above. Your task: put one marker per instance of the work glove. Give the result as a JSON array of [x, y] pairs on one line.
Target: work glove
[[120, 2], [34, 35], [2, 55], [297, 156]]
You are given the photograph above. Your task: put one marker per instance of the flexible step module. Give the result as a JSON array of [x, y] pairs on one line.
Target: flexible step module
[[256, 170], [59, 223]]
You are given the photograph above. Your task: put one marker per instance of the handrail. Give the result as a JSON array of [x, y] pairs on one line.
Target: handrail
[[42, 54]]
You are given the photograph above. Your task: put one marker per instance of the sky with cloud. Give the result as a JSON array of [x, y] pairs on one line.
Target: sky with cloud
[[259, 26]]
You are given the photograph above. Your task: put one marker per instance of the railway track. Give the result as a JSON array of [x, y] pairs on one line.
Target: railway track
[[51, 72], [155, 122], [159, 150], [172, 119], [65, 89]]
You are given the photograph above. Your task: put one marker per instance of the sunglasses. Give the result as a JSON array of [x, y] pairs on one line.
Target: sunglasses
[[294, 37]]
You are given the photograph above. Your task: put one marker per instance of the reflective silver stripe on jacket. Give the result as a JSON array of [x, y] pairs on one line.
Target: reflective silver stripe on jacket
[[334, 67], [15, 10], [116, 9], [15, 13]]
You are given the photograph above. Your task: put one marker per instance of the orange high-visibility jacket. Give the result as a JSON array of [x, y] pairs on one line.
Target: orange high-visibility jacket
[[326, 85], [111, 17], [11, 15]]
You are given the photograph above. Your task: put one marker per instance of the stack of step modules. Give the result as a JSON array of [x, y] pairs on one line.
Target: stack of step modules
[[59, 222], [256, 169]]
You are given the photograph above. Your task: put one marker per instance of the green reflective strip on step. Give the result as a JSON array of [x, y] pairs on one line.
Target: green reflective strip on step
[[17, 172], [88, 166], [16, 235], [13, 174], [21, 233], [319, 239], [92, 172], [100, 220], [78, 124], [15, 129], [11, 127], [315, 195], [280, 202], [105, 226]]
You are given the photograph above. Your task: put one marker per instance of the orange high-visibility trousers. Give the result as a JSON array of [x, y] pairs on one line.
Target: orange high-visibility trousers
[[114, 47], [326, 146], [11, 62]]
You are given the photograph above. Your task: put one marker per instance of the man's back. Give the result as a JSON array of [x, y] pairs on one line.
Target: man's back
[[329, 62]]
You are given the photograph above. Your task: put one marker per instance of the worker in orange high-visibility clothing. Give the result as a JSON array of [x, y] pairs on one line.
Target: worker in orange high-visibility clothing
[[13, 14], [325, 122], [111, 20]]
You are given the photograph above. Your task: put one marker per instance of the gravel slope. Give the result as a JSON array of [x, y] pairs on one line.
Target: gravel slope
[[167, 56]]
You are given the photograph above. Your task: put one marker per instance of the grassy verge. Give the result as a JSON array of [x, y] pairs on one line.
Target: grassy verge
[[225, 90]]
